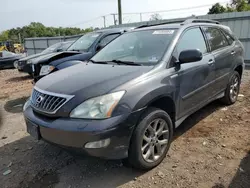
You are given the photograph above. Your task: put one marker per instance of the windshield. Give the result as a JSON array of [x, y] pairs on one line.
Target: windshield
[[144, 47], [83, 43], [52, 48], [66, 45]]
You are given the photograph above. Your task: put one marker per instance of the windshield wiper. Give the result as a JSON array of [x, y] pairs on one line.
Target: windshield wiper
[[75, 50], [98, 62], [117, 62], [125, 62]]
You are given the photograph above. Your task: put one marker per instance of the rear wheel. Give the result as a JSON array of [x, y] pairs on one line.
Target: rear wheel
[[151, 139], [232, 90]]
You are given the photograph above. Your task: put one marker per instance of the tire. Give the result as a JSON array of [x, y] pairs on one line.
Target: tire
[[153, 117], [229, 99]]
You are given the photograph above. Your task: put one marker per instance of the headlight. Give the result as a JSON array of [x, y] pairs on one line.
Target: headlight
[[98, 107], [29, 62], [46, 69], [26, 104]]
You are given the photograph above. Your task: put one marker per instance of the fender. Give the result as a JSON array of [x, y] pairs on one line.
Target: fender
[[155, 95], [67, 64], [239, 61]]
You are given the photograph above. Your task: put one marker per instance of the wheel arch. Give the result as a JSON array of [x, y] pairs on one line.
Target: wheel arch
[[239, 69]]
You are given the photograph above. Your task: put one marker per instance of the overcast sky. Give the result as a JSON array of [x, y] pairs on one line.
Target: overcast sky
[[86, 13]]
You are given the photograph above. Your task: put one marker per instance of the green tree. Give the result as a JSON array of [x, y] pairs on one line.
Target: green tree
[[240, 5], [36, 29], [234, 6], [217, 9], [4, 36], [155, 16]]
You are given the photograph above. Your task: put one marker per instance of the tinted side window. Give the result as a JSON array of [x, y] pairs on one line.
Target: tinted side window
[[108, 39], [215, 38], [230, 39], [192, 39]]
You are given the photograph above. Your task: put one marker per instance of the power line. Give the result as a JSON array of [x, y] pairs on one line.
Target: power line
[[141, 13], [171, 10], [87, 21]]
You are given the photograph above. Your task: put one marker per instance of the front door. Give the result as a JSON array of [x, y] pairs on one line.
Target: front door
[[193, 79]]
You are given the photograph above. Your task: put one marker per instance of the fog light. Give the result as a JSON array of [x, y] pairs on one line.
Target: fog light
[[98, 144]]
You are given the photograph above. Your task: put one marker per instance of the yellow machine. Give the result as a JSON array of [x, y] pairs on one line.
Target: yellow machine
[[9, 46], [18, 48]]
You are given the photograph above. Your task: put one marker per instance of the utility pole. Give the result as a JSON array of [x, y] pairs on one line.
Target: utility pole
[[104, 21], [120, 11], [114, 19], [19, 37], [141, 17]]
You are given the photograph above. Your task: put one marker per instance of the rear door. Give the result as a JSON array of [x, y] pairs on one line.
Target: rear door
[[224, 54], [193, 79]]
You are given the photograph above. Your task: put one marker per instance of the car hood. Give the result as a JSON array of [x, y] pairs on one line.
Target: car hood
[[14, 57], [46, 58], [31, 57], [87, 80], [80, 57]]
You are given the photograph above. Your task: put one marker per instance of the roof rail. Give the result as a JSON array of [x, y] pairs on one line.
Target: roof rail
[[163, 23], [188, 21]]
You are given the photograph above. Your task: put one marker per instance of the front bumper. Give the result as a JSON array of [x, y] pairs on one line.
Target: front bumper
[[24, 67], [75, 133]]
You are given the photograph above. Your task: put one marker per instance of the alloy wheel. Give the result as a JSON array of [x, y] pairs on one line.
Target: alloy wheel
[[155, 140], [234, 88]]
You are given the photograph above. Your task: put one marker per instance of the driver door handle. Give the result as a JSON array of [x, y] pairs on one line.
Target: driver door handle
[[210, 62]]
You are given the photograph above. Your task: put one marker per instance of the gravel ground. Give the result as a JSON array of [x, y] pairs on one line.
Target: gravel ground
[[210, 149]]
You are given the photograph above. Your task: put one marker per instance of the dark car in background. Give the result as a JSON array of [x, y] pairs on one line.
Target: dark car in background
[[7, 59], [24, 64], [81, 50], [128, 100]]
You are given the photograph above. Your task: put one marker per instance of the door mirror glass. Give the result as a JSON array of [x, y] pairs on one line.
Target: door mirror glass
[[99, 47], [59, 50], [188, 56]]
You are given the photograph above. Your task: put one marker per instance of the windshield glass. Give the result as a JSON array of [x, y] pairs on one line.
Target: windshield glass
[[66, 45], [52, 48], [83, 43], [144, 47]]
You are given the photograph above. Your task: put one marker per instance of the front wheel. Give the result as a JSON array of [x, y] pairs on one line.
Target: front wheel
[[232, 90], [151, 139]]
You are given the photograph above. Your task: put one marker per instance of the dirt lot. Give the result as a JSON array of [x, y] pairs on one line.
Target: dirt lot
[[210, 149]]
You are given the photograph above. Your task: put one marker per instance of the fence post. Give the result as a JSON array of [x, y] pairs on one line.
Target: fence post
[[47, 42], [34, 46]]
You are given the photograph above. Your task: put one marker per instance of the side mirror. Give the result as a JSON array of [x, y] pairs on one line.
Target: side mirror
[[99, 47], [189, 56], [59, 50]]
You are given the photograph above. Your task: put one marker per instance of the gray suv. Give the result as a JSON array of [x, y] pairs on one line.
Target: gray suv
[[127, 101]]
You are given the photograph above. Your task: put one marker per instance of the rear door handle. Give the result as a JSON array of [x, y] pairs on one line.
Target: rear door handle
[[211, 61], [233, 52]]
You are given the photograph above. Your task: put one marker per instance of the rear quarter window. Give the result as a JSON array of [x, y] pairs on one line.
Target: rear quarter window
[[229, 37], [215, 38]]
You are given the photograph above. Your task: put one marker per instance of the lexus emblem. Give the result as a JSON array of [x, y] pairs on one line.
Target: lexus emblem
[[39, 99]]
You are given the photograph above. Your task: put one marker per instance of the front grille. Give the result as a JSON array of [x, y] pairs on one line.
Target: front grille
[[48, 102], [22, 63]]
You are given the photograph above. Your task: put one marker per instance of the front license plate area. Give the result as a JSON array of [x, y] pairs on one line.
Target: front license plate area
[[33, 130]]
